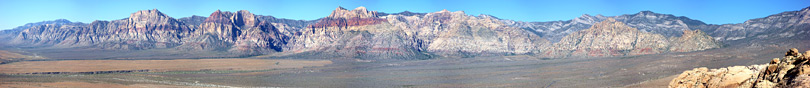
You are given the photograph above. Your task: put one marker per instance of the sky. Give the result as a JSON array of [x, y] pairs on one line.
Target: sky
[[18, 12]]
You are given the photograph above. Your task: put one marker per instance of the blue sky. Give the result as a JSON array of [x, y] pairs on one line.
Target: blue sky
[[19, 12]]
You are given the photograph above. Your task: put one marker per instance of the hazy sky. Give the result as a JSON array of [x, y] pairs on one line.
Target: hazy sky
[[18, 12]]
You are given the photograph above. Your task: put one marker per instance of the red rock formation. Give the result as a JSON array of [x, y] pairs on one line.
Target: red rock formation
[[341, 17], [219, 17]]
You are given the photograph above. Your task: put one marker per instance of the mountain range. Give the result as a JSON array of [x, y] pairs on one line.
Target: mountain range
[[360, 33]]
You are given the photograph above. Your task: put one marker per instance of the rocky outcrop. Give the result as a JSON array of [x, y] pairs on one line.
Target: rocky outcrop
[[693, 41], [344, 18], [359, 12], [193, 21], [792, 71], [345, 22], [609, 38]]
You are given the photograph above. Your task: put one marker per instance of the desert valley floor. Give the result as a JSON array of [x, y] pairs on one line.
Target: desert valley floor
[[261, 71]]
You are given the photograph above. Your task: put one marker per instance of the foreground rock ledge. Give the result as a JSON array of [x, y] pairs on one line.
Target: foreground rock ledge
[[789, 72]]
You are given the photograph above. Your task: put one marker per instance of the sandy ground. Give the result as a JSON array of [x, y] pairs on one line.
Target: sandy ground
[[72, 84], [7, 56], [645, 71], [156, 65], [658, 83]]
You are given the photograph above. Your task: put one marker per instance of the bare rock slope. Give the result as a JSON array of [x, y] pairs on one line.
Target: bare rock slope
[[362, 34], [792, 71], [613, 38]]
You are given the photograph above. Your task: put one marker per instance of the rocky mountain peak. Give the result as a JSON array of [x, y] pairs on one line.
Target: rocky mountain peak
[[343, 18], [144, 13], [693, 40], [609, 38], [588, 19], [805, 15], [340, 8], [445, 12], [359, 12], [612, 24], [584, 16], [244, 18], [151, 17], [646, 12], [219, 17]]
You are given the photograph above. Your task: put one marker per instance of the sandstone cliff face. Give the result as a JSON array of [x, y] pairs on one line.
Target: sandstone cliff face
[[456, 34], [240, 32], [345, 18], [359, 12], [793, 71], [444, 33], [693, 41]]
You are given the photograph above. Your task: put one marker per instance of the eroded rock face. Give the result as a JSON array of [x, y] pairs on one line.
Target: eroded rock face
[[613, 38], [444, 33], [609, 38], [237, 32], [792, 71], [693, 41], [344, 18], [456, 34], [359, 12]]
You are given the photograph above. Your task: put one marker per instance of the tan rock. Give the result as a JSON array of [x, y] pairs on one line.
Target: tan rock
[[609, 38], [693, 41], [790, 72]]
